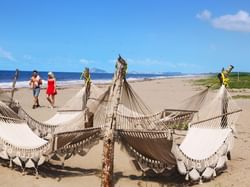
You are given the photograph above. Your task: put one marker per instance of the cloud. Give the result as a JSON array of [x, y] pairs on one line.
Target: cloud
[[204, 15], [85, 61], [6, 55], [145, 62], [239, 22]]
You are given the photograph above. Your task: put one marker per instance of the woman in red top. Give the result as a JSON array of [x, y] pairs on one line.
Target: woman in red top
[[51, 89]]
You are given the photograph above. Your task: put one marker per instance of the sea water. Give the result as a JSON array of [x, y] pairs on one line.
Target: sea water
[[73, 78]]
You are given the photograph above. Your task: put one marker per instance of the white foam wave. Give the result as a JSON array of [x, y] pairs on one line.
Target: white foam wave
[[25, 84]]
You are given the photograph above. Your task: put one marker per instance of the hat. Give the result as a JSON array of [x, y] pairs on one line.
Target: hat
[[51, 74]]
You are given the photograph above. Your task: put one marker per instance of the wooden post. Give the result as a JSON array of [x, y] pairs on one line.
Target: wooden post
[[14, 84], [224, 105], [86, 76], [110, 124]]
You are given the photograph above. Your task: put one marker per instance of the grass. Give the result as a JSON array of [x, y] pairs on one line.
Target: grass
[[242, 83], [241, 97]]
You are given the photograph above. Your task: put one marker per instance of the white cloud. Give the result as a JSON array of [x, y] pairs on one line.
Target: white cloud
[[237, 22], [6, 54], [145, 62], [85, 61], [204, 15], [232, 22]]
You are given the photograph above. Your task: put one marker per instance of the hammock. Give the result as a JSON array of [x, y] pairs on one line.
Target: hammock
[[23, 147], [4, 97], [7, 111], [147, 136], [152, 150], [168, 118], [204, 150], [65, 140], [132, 112], [72, 112], [66, 144], [20, 145]]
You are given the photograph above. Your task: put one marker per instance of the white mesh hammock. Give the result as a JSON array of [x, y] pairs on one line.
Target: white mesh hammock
[[208, 142], [71, 113]]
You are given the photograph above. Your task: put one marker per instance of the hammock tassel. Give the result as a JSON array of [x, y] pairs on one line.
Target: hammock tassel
[[10, 165], [214, 174], [200, 182]]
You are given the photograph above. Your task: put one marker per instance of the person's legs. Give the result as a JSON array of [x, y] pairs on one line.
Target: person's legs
[[37, 92], [48, 98], [35, 98], [53, 100], [34, 102], [37, 102]]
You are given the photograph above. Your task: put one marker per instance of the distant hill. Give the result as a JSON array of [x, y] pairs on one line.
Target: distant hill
[[97, 70]]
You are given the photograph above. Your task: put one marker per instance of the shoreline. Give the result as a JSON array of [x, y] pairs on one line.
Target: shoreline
[[77, 83]]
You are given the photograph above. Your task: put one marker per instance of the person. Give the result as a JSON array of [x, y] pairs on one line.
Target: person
[[51, 89], [35, 83]]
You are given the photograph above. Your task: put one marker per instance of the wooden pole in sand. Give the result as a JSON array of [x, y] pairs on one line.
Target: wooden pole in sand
[[86, 76], [224, 105], [225, 100], [110, 124], [14, 84]]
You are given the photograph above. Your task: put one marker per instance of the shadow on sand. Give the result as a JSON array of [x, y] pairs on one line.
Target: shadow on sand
[[164, 180], [48, 170]]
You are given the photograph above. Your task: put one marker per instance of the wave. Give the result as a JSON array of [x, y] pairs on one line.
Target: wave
[[25, 84], [66, 83]]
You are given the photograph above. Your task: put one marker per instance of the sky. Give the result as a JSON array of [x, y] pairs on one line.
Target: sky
[[152, 35]]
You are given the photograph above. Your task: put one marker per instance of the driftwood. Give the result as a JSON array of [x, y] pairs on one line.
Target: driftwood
[[110, 126], [14, 84]]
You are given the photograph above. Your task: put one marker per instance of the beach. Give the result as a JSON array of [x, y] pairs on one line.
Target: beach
[[158, 94]]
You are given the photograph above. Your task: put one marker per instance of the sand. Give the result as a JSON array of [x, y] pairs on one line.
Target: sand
[[85, 171]]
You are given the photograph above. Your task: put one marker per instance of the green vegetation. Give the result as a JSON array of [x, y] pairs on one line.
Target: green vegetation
[[241, 97], [241, 82]]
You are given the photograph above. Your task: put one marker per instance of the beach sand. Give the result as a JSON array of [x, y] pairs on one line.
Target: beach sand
[[86, 171]]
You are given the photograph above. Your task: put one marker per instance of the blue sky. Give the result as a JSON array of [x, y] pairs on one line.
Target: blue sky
[[153, 36]]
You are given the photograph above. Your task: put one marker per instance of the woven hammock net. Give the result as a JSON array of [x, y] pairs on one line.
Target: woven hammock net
[[69, 136], [147, 136], [209, 140]]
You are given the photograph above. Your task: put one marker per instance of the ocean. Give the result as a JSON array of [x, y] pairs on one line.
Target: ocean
[[72, 78]]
